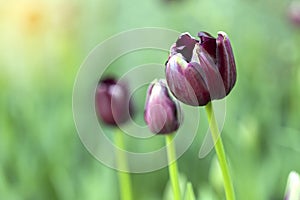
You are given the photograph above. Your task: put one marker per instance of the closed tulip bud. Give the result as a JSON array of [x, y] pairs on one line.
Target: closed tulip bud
[[112, 101], [162, 112], [199, 71], [293, 187]]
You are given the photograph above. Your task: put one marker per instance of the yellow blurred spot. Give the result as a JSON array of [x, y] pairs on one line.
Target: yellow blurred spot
[[29, 17], [34, 20]]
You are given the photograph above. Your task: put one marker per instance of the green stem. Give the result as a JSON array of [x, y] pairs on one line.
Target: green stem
[[228, 186], [173, 171], [124, 177]]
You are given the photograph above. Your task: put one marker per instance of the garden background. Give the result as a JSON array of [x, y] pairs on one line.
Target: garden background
[[42, 45]]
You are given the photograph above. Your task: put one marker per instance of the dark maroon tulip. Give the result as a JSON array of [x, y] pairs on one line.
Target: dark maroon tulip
[[113, 105], [294, 13], [199, 71], [162, 112]]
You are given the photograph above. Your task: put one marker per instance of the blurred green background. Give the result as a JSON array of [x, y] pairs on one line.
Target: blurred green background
[[42, 45]]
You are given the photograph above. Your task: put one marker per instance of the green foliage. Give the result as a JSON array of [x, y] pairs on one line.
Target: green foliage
[[43, 43], [189, 193]]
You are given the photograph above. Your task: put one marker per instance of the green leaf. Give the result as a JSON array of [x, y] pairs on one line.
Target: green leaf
[[206, 193], [168, 194], [189, 193]]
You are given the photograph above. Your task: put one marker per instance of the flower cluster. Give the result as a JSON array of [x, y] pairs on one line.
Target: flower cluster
[[197, 71]]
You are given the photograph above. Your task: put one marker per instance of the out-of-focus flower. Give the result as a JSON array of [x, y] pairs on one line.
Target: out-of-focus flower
[[162, 112], [294, 12], [36, 31], [293, 187], [31, 17], [199, 71], [113, 103]]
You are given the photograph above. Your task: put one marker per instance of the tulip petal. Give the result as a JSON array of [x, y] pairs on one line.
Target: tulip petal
[[208, 43], [225, 61], [182, 80], [185, 46]]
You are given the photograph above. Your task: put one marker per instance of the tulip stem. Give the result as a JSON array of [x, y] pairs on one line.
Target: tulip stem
[[228, 186], [124, 177], [173, 170]]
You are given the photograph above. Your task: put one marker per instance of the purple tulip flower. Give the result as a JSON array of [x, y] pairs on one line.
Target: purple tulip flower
[[162, 112], [112, 102], [198, 71]]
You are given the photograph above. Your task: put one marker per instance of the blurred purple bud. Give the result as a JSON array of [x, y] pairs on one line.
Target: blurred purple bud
[[162, 112], [294, 13], [112, 102], [200, 71]]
